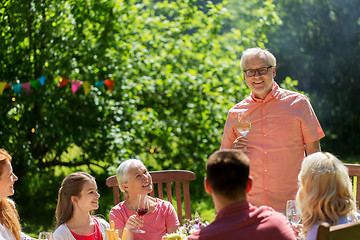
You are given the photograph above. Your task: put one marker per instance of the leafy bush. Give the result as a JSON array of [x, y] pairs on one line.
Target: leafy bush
[[176, 71]]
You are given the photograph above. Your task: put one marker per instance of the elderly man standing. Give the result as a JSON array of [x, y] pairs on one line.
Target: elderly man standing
[[227, 181], [283, 127]]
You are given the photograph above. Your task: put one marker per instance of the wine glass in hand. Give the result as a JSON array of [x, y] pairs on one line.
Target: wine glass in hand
[[292, 213], [141, 208], [243, 125], [45, 235]]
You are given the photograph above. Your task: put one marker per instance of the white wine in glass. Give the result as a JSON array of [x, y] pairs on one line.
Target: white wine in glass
[[292, 212], [45, 236], [243, 124], [141, 208]]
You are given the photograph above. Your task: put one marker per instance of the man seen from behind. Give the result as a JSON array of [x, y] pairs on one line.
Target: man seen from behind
[[228, 183]]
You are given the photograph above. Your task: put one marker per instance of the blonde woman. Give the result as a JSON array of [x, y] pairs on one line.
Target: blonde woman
[[325, 193], [10, 228]]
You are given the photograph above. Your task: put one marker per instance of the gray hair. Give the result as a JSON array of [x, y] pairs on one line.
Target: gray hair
[[257, 51], [121, 172]]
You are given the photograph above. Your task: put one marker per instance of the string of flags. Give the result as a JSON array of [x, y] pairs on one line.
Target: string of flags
[[75, 85]]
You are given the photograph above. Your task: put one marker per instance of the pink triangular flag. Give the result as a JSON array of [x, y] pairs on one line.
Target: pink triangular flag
[[75, 86], [26, 86], [86, 86], [2, 87]]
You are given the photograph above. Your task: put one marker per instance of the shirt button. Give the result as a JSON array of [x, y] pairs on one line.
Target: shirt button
[[264, 135], [265, 152], [266, 188], [265, 170]]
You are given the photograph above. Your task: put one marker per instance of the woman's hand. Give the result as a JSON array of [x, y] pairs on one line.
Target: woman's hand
[[134, 222], [172, 229]]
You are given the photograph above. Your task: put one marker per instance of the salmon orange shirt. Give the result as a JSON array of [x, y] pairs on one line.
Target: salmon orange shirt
[[281, 124]]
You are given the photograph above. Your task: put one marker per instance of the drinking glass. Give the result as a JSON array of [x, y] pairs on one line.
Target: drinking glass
[[45, 236], [292, 213], [141, 208], [243, 125]]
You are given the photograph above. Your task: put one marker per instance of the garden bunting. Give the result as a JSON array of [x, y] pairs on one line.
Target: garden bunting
[[109, 83], [17, 88], [75, 85], [35, 83], [26, 86], [99, 85], [86, 86], [2, 87], [42, 80], [63, 81]]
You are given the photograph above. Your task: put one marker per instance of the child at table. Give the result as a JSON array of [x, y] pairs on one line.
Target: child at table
[[324, 194], [78, 196]]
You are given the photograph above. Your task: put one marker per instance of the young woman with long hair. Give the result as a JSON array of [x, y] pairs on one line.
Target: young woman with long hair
[[10, 228], [78, 196]]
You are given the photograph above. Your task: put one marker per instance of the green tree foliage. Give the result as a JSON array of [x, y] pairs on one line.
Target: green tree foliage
[[254, 19], [176, 72], [319, 44], [54, 38]]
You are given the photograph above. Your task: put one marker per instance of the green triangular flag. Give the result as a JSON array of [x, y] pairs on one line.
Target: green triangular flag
[[35, 83]]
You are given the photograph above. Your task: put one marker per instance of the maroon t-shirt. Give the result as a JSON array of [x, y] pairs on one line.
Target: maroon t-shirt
[[246, 222]]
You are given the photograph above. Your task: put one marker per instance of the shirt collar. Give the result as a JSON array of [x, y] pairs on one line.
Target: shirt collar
[[274, 93], [233, 207]]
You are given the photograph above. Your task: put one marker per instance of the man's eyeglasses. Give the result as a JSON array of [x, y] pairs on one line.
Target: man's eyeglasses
[[261, 71]]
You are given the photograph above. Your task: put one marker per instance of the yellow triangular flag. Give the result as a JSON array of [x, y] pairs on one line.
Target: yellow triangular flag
[[86, 86], [2, 87]]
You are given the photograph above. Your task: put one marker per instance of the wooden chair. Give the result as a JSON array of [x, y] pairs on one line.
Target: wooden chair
[[167, 177], [354, 170], [347, 231]]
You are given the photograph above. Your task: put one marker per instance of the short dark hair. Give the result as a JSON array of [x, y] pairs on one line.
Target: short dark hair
[[228, 172]]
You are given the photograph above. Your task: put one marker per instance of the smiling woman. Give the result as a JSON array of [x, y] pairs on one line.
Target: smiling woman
[[9, 219], [155, 217], [78, 195]]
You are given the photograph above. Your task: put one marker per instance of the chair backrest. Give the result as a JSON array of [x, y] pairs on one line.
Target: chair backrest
[[166, 176], [347, 231], [354, 171]]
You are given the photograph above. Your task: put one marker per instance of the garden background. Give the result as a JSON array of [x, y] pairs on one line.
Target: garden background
[[86, 84]]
